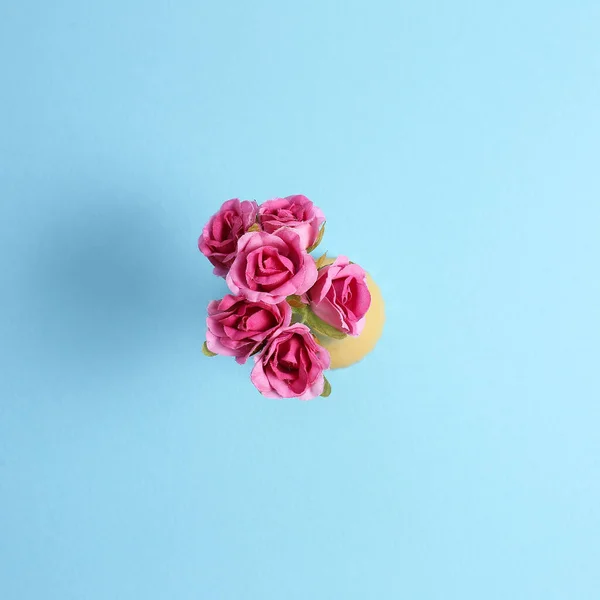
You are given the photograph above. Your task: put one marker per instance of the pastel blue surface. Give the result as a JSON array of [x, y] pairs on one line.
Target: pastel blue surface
[[454, 147]]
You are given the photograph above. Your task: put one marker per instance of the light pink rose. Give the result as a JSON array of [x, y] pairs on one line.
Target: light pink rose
[[340, 297], [220, 235], [295, 212], [269, 267], [291, 365], [237, 327]]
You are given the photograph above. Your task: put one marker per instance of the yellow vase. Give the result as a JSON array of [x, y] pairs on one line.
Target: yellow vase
[[350, 350]]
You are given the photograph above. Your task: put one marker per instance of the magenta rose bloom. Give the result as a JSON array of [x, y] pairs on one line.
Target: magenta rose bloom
[[237, 327], [291, 365], [220, 235], [269, 267], [297, 213], [340, 297]]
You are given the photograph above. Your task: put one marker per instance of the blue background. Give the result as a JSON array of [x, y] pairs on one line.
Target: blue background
[[454, 147]]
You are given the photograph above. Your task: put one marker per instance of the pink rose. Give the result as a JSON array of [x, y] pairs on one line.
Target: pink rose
[[297, 213], [220, 235], [237, 327], [340, 297], [291, 365], [269, 267]]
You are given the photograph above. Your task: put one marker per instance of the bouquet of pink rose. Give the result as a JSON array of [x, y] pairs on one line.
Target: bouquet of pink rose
[[283, 302]]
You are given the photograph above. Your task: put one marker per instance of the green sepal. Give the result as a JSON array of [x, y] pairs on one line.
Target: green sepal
[[326, 388], [258, 350], [206, 351], [319, 238], [320, 262], [320, 327]]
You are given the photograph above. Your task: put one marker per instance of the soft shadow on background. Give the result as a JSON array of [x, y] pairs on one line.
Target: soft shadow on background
[[102, 283], [109, 270]]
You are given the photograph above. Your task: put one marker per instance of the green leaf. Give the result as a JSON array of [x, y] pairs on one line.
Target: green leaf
[[321, 327], [321, 261], [326, 388], [318, 240], [253, 227], [206, 351], [295, 301], [299, 313]]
